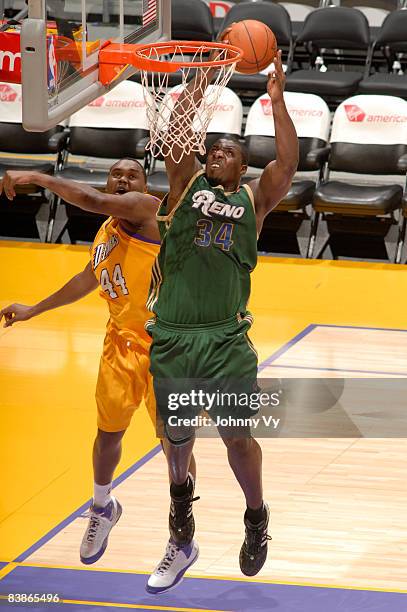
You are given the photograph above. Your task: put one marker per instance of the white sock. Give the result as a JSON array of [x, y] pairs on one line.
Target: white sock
[[101, 494]]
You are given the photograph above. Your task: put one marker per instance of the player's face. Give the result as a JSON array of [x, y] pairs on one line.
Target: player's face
[[224, 162], [126, 176]]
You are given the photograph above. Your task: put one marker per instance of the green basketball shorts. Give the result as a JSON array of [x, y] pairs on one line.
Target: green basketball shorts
[[203, 369]]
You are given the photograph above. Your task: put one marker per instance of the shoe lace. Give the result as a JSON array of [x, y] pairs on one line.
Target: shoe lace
[[170, 554], [94, 522], [181, 509], [256, 538]]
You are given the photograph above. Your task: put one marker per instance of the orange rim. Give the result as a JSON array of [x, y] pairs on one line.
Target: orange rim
[[144, 62]]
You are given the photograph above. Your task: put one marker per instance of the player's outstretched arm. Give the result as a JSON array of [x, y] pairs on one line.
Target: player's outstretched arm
[[133, 206], [179, 174], [75, 289], [276, 178]]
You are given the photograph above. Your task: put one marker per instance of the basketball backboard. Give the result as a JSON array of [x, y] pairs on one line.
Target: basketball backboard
[[60, 44]]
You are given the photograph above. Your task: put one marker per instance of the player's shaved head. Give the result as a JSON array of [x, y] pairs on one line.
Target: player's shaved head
[[127, 174], [244, 153], [133, 159], [226, 163]]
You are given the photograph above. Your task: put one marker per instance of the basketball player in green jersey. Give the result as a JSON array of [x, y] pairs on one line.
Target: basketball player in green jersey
[[200, 288]]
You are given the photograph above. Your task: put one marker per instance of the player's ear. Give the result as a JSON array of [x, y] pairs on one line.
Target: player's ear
[[243, 169]]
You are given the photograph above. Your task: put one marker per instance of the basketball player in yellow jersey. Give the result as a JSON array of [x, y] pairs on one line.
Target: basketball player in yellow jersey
[[121, 260]]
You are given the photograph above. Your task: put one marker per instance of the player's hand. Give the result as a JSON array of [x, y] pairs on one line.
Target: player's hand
[[276, 80], [13, 178], [14, 313], [222, 37]]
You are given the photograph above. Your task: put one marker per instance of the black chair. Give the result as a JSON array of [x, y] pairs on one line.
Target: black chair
[[297, 11], [286, 229], [361, 218], [192, 22], [276, 17], [375, 12], [336, 40], [392, 43], [112, 127], [403, 217], [27, 215]]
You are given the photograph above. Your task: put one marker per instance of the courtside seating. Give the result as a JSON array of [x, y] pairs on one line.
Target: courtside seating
[[332, 73], [192, 21], [111, 127], [376, 11], [219, 9], [287, 229], [21, 150], [403, 223], [189, 22], [277, 18], [298, 11], [226, 121], [369, 136], [392, 42]]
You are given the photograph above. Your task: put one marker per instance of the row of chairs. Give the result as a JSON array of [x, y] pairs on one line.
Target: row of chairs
[[333, 56], [368, 136], [375, 10]]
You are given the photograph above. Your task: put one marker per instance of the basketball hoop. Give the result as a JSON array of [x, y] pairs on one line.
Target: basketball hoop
[[179, 130]]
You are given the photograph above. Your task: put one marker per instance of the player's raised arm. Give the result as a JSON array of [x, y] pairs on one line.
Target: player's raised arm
[[75, 289], [179, 174], [119, 201], [276, 178]]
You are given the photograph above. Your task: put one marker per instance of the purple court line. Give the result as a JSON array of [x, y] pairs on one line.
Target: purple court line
[[287, 346], [84, 506], [197, 593], [390, 329], [3, 564], [298, 367], [79, 608]]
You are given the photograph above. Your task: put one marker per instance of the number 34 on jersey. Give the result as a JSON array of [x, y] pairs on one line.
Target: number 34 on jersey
[[111, 285]]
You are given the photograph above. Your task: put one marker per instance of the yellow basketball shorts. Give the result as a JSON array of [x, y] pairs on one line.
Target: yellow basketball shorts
[[124, 383]]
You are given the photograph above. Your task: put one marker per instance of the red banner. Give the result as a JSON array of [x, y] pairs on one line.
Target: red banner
[[10, 57], [219, 8]]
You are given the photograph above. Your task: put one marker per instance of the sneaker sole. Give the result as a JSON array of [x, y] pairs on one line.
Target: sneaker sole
[[96, 557], [178, 579]]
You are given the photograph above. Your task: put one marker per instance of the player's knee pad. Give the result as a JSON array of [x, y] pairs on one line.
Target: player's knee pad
[[179, 436]]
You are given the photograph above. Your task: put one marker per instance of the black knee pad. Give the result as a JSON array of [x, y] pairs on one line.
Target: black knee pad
[[179, 436]]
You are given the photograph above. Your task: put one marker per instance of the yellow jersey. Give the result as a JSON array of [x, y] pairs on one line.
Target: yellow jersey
[[122, 264]]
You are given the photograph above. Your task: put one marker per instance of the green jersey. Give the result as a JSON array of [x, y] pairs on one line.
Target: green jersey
[[208, 250]]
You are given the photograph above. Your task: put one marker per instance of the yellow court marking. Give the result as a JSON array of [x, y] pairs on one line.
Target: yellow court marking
[[7, 569], [209, 577], [106, 604], [137, 606]]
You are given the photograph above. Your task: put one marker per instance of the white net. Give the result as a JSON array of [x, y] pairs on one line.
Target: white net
[[179, 119]]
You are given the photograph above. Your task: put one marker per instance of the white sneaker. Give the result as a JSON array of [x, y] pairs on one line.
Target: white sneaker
[[171, 569], [101, 522]]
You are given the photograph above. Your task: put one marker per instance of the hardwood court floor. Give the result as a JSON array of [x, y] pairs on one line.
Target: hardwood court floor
[[338, 504]]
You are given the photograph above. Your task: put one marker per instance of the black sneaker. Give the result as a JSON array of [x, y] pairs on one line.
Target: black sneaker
[[253, 553], [181, 519]]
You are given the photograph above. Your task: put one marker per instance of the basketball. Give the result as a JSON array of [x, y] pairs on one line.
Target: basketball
[[258, 43]]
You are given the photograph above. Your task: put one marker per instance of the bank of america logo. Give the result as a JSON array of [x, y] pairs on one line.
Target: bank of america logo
[[149, 11]]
